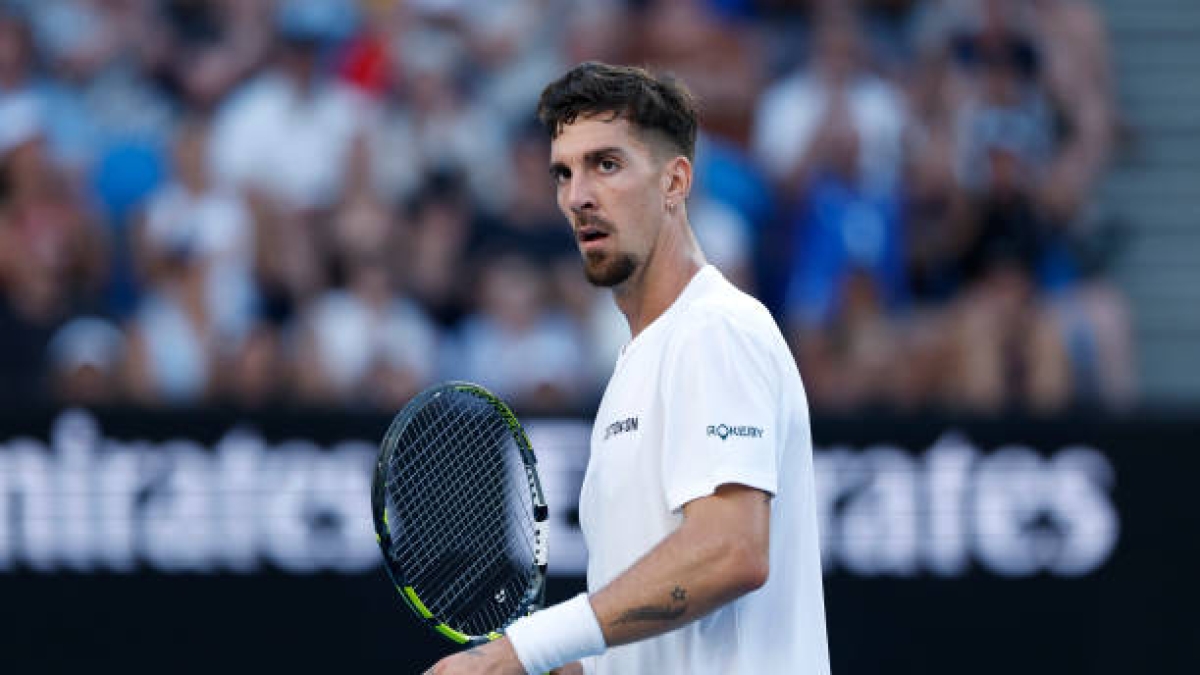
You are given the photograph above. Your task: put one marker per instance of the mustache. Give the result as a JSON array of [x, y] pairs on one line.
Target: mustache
[[583, 220]]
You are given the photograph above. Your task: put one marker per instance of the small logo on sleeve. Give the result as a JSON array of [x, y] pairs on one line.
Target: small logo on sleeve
[[724, 431], [620, 427]]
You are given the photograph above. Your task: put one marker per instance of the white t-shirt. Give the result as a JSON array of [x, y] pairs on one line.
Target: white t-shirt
[[790, 114], [292, 145], [708, 394]]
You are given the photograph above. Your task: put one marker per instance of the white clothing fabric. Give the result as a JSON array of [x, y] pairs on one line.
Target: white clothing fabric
[[515, 364], [294, 146], [791, 111], [351, 338], [708, 394], [217, 228], [176, 350], [215, 224]]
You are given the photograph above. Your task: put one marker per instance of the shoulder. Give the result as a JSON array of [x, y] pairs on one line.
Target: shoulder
[[725, 316]]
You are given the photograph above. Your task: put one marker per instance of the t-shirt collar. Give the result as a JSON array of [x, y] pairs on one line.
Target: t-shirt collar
[[694, 288]]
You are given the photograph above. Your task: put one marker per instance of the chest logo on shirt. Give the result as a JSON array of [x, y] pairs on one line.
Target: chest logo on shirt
[[620, 427], [724, 431]]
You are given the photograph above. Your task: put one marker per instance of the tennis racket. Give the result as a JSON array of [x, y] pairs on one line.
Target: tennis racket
[[459, 513]]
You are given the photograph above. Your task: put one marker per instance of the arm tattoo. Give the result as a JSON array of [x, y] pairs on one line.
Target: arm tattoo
[[666, 612]]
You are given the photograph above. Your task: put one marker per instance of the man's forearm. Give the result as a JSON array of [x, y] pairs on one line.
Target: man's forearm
[[716, 556]]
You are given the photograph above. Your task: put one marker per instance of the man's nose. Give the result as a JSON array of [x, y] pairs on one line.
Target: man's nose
[[580, 197]]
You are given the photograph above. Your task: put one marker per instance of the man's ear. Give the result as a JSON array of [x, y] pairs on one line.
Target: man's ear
[[677, 180]]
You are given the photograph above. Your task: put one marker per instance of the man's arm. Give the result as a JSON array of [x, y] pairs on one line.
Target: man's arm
[[719, 553]]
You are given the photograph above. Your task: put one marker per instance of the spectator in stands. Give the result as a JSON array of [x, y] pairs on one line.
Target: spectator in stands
[[596, 30], [1011, 348], [192, 212], [512, 43], [515, 343], [934, 204], [1072, 43], [795, 115], [84, 39], [113, 55], [58, 108], [216, 46], [373, 62], [451, 131], [529, 220], [174, 340], [926, 175], [846, 270], [847, 276], [891, 27], [1008, 350], [435, 259], [1009, 126], [256, 372], [362, 224], [86, 359], [717, 57], [287, 134], [364, 343], [53, 256]]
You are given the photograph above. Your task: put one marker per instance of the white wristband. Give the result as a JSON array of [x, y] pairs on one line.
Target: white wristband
[[557, 635]]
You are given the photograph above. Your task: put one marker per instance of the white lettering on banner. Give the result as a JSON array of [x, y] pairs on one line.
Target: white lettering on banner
[[84, 502], [87, 503], [946, 490], [1034, 514], [879, 527], [1014, 512]]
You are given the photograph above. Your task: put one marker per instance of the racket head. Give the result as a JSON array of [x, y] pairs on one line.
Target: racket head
[[459, 512]]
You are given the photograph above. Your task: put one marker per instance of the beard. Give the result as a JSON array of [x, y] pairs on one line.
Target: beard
[[605, 270]]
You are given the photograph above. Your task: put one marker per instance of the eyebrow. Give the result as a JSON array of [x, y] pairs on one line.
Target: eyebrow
[[594, 156]]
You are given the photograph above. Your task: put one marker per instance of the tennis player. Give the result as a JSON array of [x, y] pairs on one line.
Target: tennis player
[[698, 504]]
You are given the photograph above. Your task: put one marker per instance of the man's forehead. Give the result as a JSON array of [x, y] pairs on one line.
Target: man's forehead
[[591, 133]]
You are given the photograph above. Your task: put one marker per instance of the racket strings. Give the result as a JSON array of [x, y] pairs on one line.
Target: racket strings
[[469, 588], [452, 510], [481, 529], [436, 505], [464, 508], [497, 566], [463, 516]]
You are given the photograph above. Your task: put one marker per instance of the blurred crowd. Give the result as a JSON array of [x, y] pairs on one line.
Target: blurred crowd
[[339, 202]]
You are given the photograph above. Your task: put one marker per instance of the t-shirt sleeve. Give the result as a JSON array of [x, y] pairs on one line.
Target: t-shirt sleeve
[[721, 412]]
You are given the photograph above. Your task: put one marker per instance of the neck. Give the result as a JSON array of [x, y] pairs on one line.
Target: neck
[[661, 279]]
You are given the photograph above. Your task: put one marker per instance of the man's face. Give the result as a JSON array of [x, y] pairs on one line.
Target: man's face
[[610, 186]]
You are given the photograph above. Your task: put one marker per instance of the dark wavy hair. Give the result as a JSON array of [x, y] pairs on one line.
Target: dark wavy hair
[[654, 103]]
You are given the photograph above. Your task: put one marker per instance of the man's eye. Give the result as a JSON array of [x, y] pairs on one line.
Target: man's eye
[[608, 166]]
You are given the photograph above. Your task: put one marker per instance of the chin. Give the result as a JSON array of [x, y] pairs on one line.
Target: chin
[[607, 272]]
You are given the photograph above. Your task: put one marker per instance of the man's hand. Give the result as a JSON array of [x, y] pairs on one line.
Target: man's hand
[[493, 658]]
